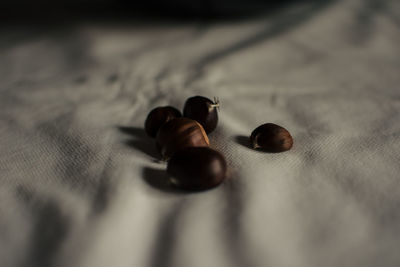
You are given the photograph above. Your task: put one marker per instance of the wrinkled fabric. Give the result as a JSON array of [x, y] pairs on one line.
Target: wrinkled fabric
[[80, 183]]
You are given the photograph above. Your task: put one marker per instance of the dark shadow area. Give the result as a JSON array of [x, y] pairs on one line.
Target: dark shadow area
[[102, 195], [146, 147], [234, 196], [81, 79], [49, 233], [166, 235], [243, 141], [112, 78], [25, 21], [134, 131], [140, 141], [49, 228], [66, 12], [24, 194]]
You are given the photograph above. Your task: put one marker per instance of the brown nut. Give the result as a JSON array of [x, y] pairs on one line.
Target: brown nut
[[202, 110], [158, 117], [197, 168], [270, 137], [178, 134]]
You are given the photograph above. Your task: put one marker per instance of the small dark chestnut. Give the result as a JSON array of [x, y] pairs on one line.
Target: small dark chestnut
[[178, 134], [203, 110], [270, 137], [197, 168], [158, 117]]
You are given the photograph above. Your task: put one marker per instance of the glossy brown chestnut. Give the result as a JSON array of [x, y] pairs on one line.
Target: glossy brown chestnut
[[178, 134], [197, 168], [270, 137], [202, 110], [158, 117]]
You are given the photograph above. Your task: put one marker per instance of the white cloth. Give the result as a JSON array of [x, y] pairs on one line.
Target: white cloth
[[78, 188]]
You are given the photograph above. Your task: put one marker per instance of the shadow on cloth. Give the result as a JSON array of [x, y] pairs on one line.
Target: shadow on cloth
[[140, 141], [158, 179], [243, 141], [49, 229]]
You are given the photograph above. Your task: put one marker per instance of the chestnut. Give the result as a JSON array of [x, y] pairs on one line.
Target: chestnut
[[203, 110], [270, 137], [158, 117], [197, 168], [178, 134]]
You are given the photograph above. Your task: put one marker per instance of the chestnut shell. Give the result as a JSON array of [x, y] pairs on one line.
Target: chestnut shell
[[203, 110], [270, 137], [197, 168], [158, 117], [178, 134]]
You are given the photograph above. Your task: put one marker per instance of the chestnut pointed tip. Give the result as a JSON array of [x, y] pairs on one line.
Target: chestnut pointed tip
[[216, 100], [255, 146], [213, 105], [254, 141]]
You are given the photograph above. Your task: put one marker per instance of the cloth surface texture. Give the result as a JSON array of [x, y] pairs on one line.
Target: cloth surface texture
[[80, 184]]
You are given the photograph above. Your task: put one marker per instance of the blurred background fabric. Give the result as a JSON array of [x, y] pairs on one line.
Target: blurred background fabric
[[80, 184]]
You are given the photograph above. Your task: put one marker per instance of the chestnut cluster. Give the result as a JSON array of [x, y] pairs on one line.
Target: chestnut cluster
[[183, 142]]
